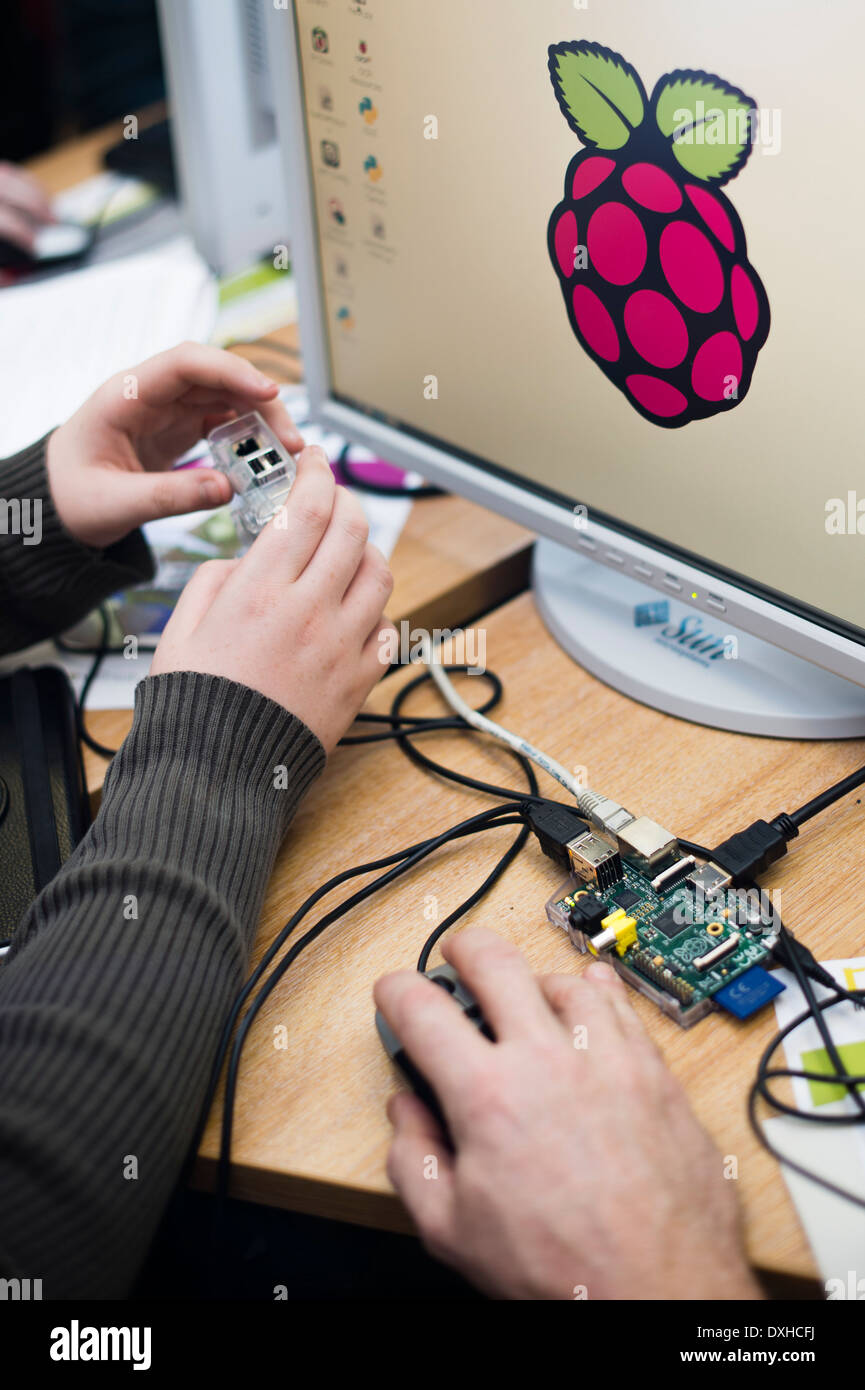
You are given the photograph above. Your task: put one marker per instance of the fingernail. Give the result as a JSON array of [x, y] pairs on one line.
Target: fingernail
[[601, 974], [212, 491]]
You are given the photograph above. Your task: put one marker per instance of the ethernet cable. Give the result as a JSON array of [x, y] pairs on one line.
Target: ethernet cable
[[604, 813]]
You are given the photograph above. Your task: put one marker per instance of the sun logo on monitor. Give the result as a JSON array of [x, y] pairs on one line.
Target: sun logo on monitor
[[650, 253]]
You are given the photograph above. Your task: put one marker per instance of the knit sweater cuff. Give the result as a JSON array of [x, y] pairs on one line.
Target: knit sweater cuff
[[207, 782], [48, 579]]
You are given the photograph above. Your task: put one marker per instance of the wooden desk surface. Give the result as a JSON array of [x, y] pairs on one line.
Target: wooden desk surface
[[310, 1128]]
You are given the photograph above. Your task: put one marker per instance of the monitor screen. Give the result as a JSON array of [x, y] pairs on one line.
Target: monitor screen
[[612, 252]]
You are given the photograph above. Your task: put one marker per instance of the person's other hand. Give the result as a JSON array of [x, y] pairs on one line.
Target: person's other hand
[[300, 617], [110, 465], [579, 1169], [24, 206]]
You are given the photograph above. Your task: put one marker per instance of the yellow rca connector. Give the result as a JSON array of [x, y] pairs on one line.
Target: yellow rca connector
[[618, 930]]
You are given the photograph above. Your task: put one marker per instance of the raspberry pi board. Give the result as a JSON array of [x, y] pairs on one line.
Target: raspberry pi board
[[684, 947]]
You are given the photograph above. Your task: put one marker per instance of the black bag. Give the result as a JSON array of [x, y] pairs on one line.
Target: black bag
[[44, 810]]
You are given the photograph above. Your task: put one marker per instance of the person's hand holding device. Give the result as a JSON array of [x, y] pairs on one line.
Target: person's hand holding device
[[578, 1169], [110, 466], [300, 617]]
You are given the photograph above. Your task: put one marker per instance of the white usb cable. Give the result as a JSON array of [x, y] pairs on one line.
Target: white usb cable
[[605, 814]]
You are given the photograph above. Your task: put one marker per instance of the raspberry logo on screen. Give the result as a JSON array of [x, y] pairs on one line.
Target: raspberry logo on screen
[[650, 253]]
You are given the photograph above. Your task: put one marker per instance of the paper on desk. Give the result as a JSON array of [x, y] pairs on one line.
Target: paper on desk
[[804, 1047], [105, 198], [834, 1226], [61, 338]]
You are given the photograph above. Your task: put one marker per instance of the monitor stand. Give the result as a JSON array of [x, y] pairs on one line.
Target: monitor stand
[[684, 661]]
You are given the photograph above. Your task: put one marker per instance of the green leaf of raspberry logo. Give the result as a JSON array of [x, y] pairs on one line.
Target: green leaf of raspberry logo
[[600, 94], [708, 122]]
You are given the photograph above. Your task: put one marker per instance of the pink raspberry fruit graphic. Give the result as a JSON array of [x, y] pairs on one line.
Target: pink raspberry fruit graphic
[[650, 254]]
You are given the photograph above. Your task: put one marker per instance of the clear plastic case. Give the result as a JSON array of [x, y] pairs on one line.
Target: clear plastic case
[[260, 469], [684, 1017]]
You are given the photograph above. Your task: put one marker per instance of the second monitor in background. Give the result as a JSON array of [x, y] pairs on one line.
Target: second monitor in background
[[223, 129]]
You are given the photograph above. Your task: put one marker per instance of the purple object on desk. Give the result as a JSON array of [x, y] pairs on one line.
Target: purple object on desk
[[373, 471]]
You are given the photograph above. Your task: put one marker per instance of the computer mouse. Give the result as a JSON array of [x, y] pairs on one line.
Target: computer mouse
[[57, 243], [447, 979]]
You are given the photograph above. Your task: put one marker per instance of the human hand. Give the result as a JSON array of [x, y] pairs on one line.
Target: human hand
[[578, 1171], [299, 618], [110, 465], [24, 206]]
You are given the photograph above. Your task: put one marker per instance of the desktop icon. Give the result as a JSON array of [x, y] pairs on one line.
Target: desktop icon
[[368, 111], [325, 98], [320, 40], [651, 255], [336, 212], [378, 229], [345, 318], [330, 153], [372, 168], [362, 55]]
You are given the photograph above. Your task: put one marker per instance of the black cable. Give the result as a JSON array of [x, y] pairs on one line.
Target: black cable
[[760, 1089], [691, 847], [491, 879], [81, 703], [363, 484], [401, 862], [487, 820], [827, 798], [822, 1027], [802, 963], [441, 769], [416, 725], [466, 828]]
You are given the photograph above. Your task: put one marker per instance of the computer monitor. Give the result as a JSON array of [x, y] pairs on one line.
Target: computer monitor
[[598, 267], [223, 128]]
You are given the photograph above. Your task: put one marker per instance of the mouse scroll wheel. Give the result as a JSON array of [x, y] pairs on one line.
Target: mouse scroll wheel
[[444, 983]]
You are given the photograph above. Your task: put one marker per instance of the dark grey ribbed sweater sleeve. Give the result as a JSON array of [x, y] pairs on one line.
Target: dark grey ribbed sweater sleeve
[[48, 586], [114, 994]]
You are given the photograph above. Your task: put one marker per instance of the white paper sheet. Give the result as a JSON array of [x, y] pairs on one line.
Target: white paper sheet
[[64, 336]]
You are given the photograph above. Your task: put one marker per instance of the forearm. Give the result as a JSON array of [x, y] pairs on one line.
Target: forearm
[[114, 995], [48, 579]]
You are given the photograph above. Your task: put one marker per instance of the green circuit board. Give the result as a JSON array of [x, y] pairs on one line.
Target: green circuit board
[[674, 932]]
